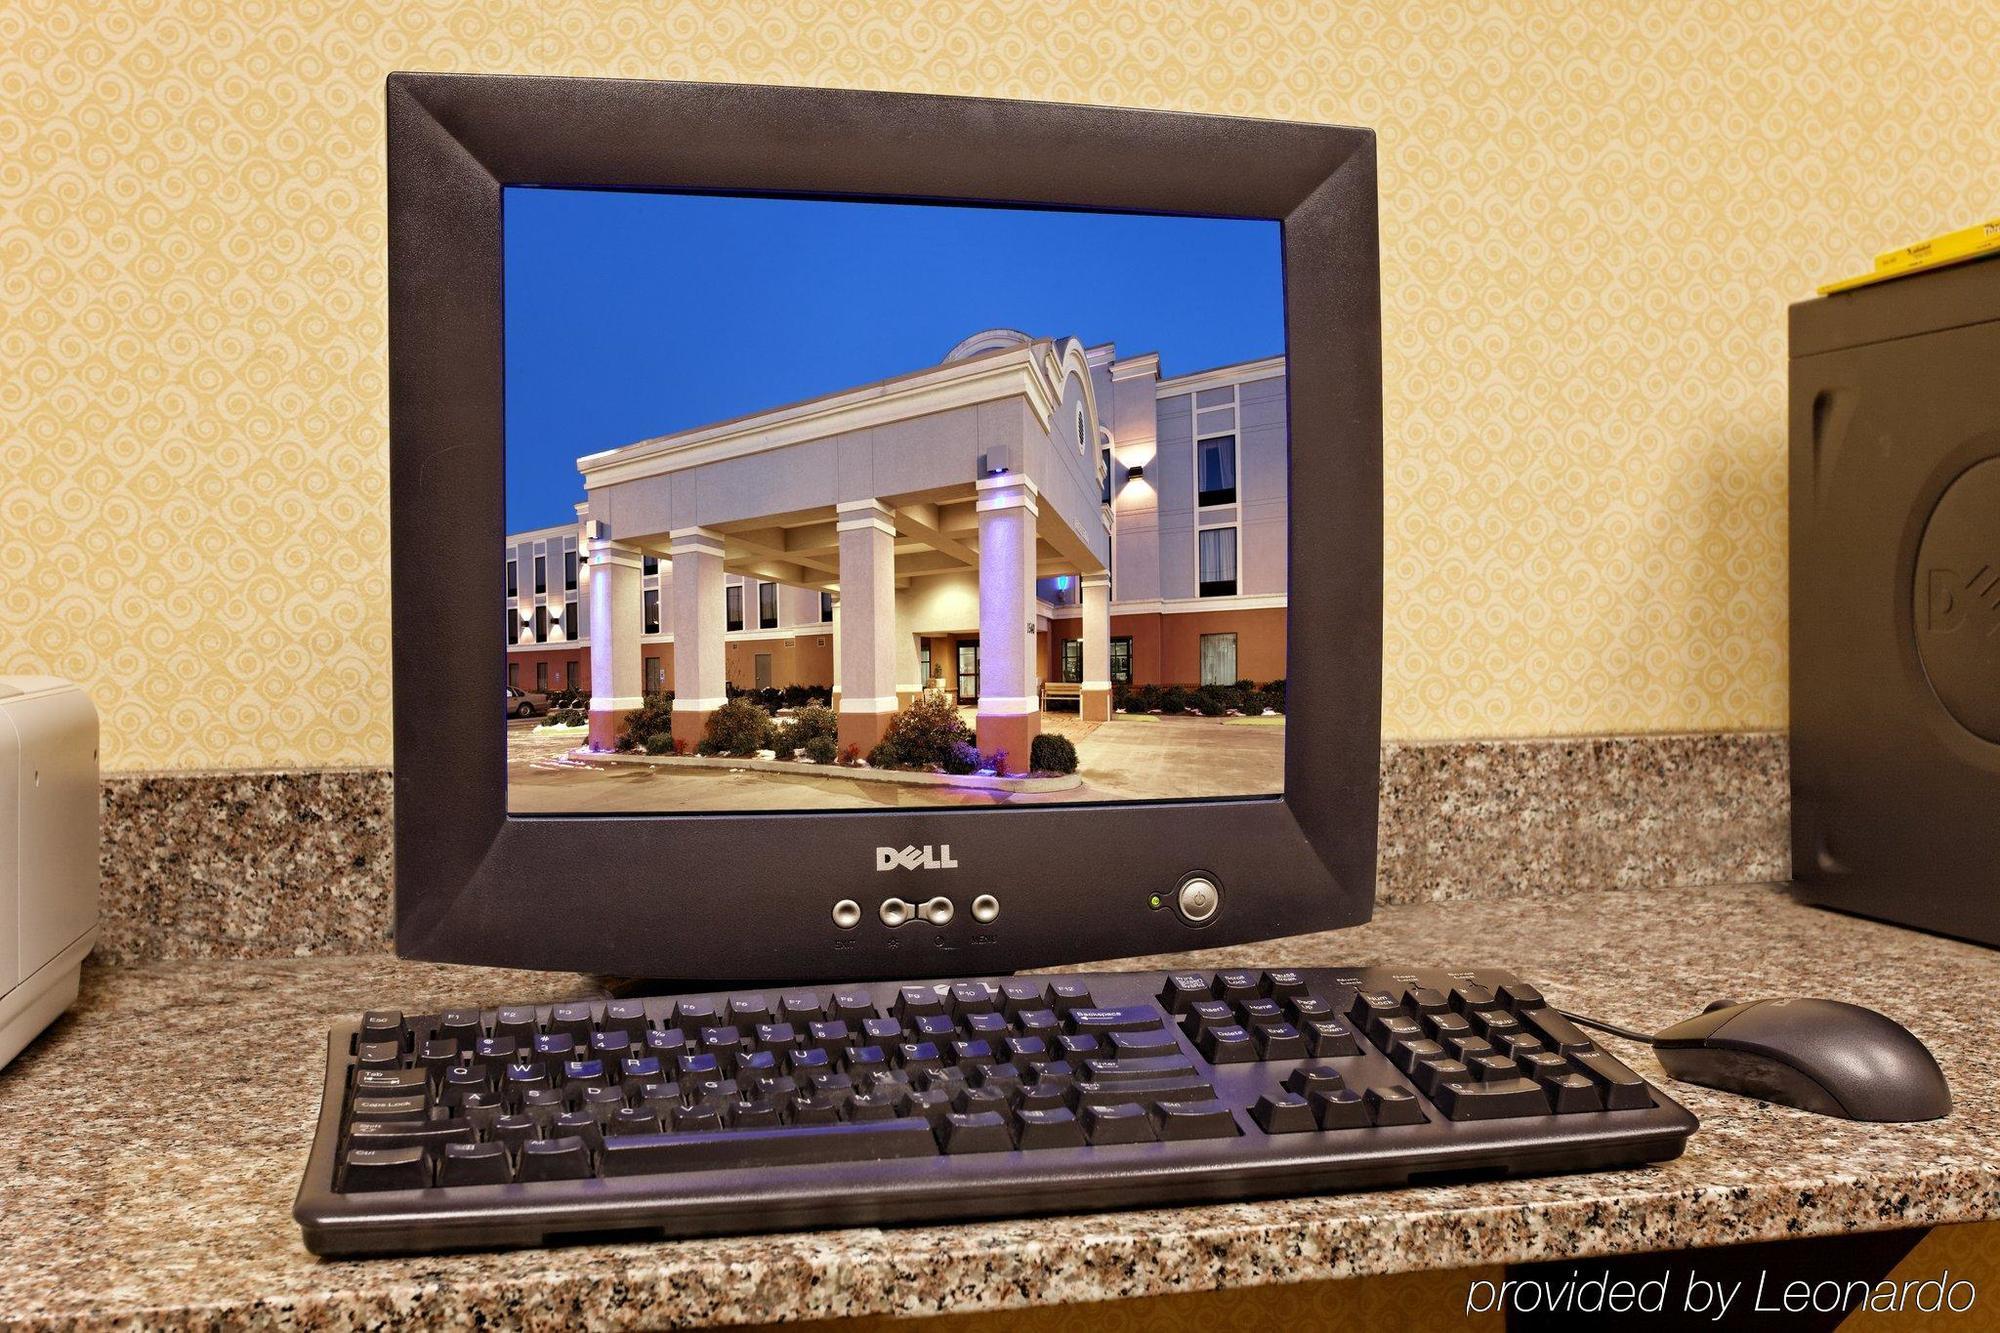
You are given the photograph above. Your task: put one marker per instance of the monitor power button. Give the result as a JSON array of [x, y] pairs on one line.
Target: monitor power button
[[1198, 900]]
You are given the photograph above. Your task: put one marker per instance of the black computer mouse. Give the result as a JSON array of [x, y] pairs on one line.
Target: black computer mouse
[[1818, 1055]]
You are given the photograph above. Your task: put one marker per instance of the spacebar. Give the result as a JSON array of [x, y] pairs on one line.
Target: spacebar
[[799, 1145]]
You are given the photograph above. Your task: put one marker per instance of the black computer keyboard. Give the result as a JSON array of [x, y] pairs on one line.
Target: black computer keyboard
[[886, 1103]]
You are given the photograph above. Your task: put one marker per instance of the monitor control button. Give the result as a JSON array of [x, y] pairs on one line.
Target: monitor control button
[[847, 914], [938, 911], [1198, 900], [894, 911], [984, 908]]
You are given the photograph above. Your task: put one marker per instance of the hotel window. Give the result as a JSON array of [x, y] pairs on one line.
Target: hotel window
[[569, 620], [513, 582], [1216, 471], [732, 604], [569, 570], [1082, 440], [1218, 659], [656, 676], [541, 624], [826, 608], [1216, 558], [1121, 661], [652, 611], [513, 625], [1105, 461], [923, 664], [650, 565], [575, 677], [514, 675], [767, 606], [1072, 661], [542, 677], [541, 573]]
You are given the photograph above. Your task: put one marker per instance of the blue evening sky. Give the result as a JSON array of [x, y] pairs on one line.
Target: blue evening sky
[[633, 315]]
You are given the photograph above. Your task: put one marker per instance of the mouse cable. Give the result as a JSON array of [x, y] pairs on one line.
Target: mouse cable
[[1616, 1031]]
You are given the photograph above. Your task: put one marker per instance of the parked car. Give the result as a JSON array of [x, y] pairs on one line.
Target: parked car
[[526, 703]]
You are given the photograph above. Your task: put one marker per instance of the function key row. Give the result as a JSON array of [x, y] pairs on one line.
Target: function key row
[[581, 1020]]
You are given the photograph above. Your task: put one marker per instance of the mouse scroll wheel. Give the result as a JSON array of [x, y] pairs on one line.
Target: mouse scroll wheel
[[1720, 1004]]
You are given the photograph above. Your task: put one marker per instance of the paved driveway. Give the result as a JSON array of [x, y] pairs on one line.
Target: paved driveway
[[1124, 759]]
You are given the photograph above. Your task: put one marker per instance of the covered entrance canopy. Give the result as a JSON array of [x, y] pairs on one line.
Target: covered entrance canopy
[[929, 503]]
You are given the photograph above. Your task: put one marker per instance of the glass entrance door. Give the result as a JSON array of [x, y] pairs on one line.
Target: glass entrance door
[[968, 671]]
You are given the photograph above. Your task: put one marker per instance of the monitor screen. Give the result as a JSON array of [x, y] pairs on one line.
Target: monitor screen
[[843, 505]]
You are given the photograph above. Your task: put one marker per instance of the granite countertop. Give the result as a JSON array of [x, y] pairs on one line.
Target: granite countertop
[[154, 1140]]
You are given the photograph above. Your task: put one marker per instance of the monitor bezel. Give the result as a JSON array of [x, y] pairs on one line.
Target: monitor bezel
[[749, 896]]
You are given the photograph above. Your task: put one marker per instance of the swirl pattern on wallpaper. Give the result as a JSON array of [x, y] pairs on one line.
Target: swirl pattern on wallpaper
[[1592, 218]]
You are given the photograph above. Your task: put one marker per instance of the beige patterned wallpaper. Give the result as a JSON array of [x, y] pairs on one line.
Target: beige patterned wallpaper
[[1593, 216]]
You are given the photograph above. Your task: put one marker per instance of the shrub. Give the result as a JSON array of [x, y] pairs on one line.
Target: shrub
[[1274, 692], [1255, 702], [1214, 700], [822, 749], [772, 698], [568, 717], [659, 743], [737, 728], [922, 736], [1051, 753], [961, 758], [1134, 704], [850, 755], [809, 724], [1174, 699], [654, 714], [1245, 686]]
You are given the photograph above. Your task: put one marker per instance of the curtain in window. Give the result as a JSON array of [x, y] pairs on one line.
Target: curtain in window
[[1218, 467], [1217, 557], [1218, 659]]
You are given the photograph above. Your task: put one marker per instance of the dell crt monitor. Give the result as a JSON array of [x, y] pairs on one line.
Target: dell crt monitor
[[927, 535]]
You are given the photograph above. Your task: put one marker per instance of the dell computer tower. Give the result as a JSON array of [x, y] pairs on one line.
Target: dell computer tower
[[1895, 583]]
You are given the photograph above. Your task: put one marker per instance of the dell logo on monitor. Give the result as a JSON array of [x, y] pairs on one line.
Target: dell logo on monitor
[[915, 858]]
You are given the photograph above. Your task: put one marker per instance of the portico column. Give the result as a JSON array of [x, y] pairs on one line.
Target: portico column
[[1095, 705], [616, 607], [866, 637], [1010, 704], [700, 618]]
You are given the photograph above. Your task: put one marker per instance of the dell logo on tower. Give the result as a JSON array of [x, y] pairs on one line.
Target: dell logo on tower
[[915, 858]]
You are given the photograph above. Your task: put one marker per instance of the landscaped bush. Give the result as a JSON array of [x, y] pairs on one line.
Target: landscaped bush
[[1174, 699], [1274, 695], [1255, 702], [1215, 700], [568, 717], [961, 759], [850, 755], [822, 749], [573, 696], [654, 714], [922, 736], [798, 696], [659, 742], [809, 724], [1141, 698], [1051, 753], [739, 728]]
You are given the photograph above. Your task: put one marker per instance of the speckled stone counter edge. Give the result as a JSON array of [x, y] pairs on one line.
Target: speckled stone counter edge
[[273, 863]]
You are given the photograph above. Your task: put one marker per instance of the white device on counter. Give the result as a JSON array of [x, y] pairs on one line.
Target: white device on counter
[[48, 851]]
